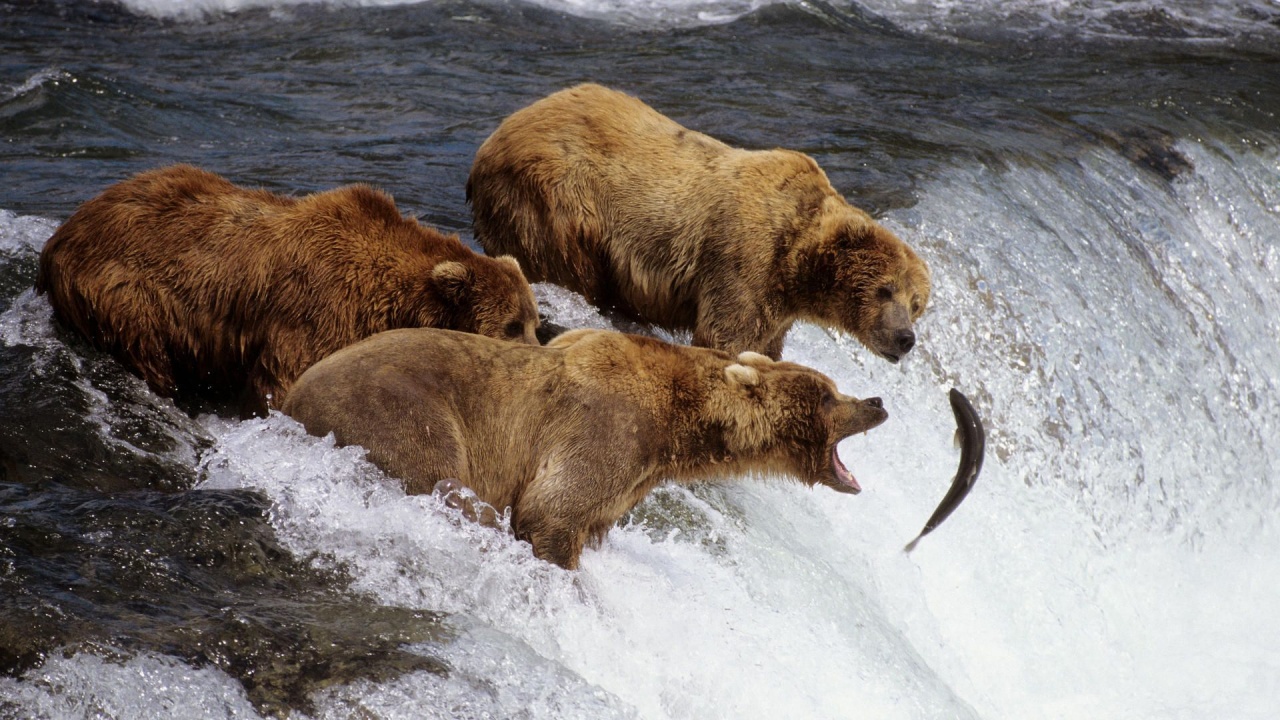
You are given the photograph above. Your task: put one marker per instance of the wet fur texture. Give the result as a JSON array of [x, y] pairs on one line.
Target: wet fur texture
[[591, 189], [572, 435], [197, 284]]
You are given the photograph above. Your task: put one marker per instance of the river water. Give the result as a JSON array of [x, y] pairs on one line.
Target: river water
[[1094, 183]]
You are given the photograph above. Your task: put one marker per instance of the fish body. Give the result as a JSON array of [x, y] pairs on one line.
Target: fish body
[[973, 443]]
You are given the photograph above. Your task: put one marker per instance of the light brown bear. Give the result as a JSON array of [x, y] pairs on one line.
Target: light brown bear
[[199, 285], [593, 190], [572, 435]]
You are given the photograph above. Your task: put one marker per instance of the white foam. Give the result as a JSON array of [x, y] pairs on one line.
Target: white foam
[[139, 687], [196, 9], [568, 308], [1118, 509], [1193, 19], [647, 13], [24, 234], [1113, 19], [29, 321], [35, 82], [658, 13], [491, 675]]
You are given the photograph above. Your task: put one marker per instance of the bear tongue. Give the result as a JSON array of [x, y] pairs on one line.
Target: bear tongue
[[843, 475]]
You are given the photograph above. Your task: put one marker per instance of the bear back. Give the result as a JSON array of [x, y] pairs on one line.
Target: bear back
[[198, 284]]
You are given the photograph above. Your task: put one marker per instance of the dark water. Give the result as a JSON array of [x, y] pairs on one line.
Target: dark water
[[108, 546], [401, 96]]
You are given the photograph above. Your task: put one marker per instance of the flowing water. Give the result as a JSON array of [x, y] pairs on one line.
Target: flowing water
[[1094, 183]]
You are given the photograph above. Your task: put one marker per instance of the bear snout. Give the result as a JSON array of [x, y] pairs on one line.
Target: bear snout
[[905, 339], [892, 336], [868, 414], [893, 343], [853, 416]]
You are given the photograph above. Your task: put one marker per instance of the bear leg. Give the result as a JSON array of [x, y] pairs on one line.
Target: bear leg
[[151, 358], [559, 544], [124, 321], [738, 329], [281, 360]]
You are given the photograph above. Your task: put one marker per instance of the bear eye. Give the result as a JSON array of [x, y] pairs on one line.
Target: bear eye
[[828, 400], [885, 292], [915, 306], [515, 328]]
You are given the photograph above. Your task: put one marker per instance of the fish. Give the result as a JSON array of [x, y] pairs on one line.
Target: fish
[[972, 439]]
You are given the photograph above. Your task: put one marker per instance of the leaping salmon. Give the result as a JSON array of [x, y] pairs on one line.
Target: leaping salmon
[[973, 442]]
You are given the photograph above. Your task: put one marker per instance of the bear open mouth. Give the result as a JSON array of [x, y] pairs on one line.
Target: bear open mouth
[[845, 482]]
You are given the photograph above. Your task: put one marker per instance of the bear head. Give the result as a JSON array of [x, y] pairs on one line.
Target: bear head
[[787, 418], [488, 296], [863, 279]]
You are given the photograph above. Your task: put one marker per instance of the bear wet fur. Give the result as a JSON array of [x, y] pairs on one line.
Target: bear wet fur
[[199, 285], [572, 435], [591, 189]]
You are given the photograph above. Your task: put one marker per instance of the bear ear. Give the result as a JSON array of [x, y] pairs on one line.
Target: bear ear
[[747, 357], [855, 237], [453, 279], [742, 375], [510, 260]]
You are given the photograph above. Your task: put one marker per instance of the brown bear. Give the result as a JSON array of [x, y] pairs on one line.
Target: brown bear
[[572, 435], [592, 189], [199, 285]]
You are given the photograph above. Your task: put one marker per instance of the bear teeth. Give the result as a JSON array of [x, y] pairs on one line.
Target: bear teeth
[[842, 473]]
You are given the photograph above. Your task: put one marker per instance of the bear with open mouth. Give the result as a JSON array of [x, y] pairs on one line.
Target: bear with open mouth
[[572, 435]]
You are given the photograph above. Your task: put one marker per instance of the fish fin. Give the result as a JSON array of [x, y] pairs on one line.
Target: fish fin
[[912, 545]]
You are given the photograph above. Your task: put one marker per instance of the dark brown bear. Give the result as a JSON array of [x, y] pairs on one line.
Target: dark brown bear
[[572, 435], [199, 285], [592, 189]]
